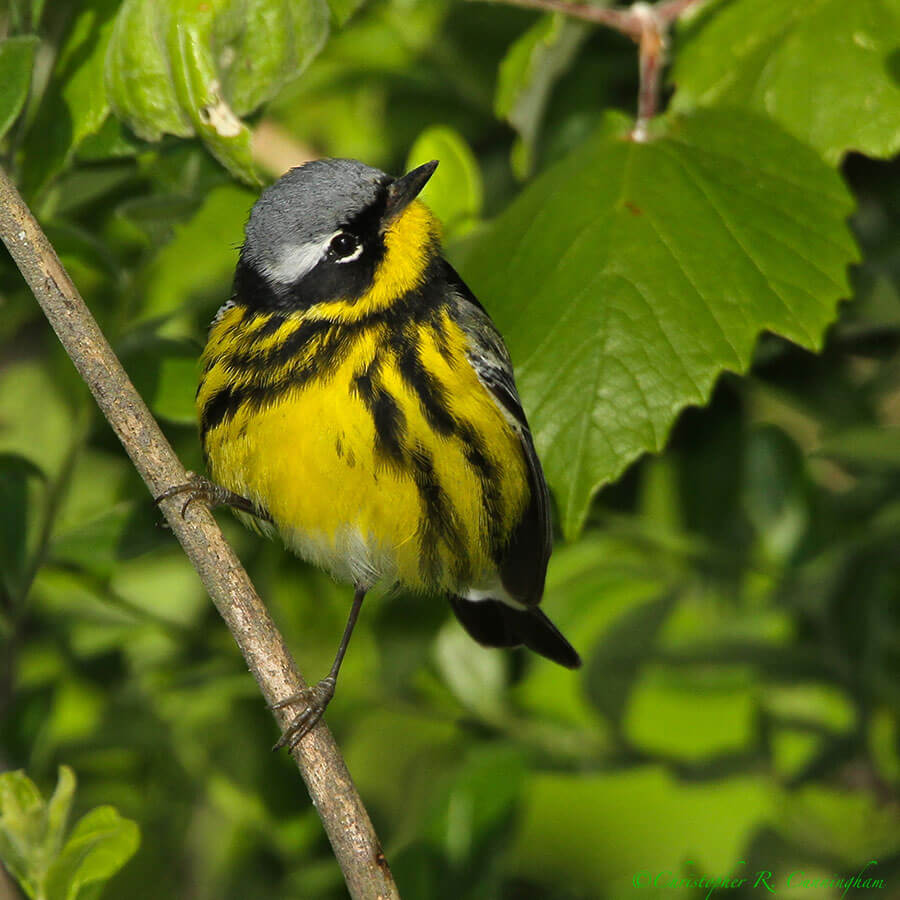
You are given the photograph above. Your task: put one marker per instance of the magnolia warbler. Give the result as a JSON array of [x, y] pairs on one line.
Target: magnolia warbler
[[357, 400]]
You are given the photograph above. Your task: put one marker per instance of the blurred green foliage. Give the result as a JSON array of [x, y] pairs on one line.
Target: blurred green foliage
[[34, 845], [735, 596]]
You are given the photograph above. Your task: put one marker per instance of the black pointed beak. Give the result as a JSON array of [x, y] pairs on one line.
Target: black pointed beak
[[404, 190]]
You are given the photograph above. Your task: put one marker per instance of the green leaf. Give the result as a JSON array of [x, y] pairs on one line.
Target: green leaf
[[21, 812], [824, 69], [165, 373], [138, 79], [150, 220], [343, 10], [774, 492], [627, 277], [834, 822], [58, 809], [17, 521], [659, 823], [112, 141], [40, 434], [476, 675], [260, 45], [883, 743], [200, 259], [183, 68], [691, 714], [528, 73], [32, 832], [625, 647], [864, 446], [75, 104], [25, 15], [16, 58], [455, 192], [99, 544], [100, 844], [824, 705], [477, 801]]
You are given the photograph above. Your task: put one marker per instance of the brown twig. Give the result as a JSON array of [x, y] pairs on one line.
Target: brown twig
[[651, 59], [337, 802], [8, 888], [646, 24], [619, 19]]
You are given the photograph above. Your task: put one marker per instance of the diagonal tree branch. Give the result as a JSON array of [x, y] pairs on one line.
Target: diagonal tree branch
[[330, 786]]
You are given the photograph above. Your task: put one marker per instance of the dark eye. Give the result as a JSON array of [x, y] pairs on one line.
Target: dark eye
[[344, 245]]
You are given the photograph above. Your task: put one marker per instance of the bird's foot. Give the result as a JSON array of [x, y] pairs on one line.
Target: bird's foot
[[314, 699], [199, 488]]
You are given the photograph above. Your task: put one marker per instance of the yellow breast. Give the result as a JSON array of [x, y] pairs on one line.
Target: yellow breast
[[376, 452]]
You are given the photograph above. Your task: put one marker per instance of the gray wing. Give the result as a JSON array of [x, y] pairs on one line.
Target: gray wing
[[523, 562]]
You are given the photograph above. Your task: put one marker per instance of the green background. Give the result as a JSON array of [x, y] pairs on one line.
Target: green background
[[720, 432]]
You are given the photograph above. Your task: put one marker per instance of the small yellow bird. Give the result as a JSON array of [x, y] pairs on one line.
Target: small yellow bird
[[357, 400]]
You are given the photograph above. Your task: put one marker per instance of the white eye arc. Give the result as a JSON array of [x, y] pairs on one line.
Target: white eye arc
[[345, 247]]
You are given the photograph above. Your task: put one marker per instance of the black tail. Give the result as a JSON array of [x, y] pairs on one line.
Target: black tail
[[496, 624]]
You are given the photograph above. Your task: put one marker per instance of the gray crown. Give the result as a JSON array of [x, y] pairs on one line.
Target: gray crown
[[309, 203]]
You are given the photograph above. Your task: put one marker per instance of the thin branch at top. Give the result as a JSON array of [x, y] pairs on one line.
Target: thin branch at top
[[627, 21], [645, 23], [620, 19]]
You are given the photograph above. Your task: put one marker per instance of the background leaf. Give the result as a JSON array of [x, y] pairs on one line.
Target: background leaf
[[456, 194], [206, 65], [750, 725], [165, 373], [16, 58], [618, 658], [775, 57], [342, 10], [628, 276], [58, 808], [527, 76], [199, 261], [21, 838], [32, 836], [76, 105], [17, 525], [100, 844]]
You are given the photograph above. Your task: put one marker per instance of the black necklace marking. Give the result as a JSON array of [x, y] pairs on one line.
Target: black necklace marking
[[424, 307]]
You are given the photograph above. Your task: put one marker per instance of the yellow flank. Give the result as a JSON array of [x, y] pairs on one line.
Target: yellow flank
[[311, 457]]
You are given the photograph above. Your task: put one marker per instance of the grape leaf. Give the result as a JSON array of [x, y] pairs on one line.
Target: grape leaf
[[826, 70], [628, 276]]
